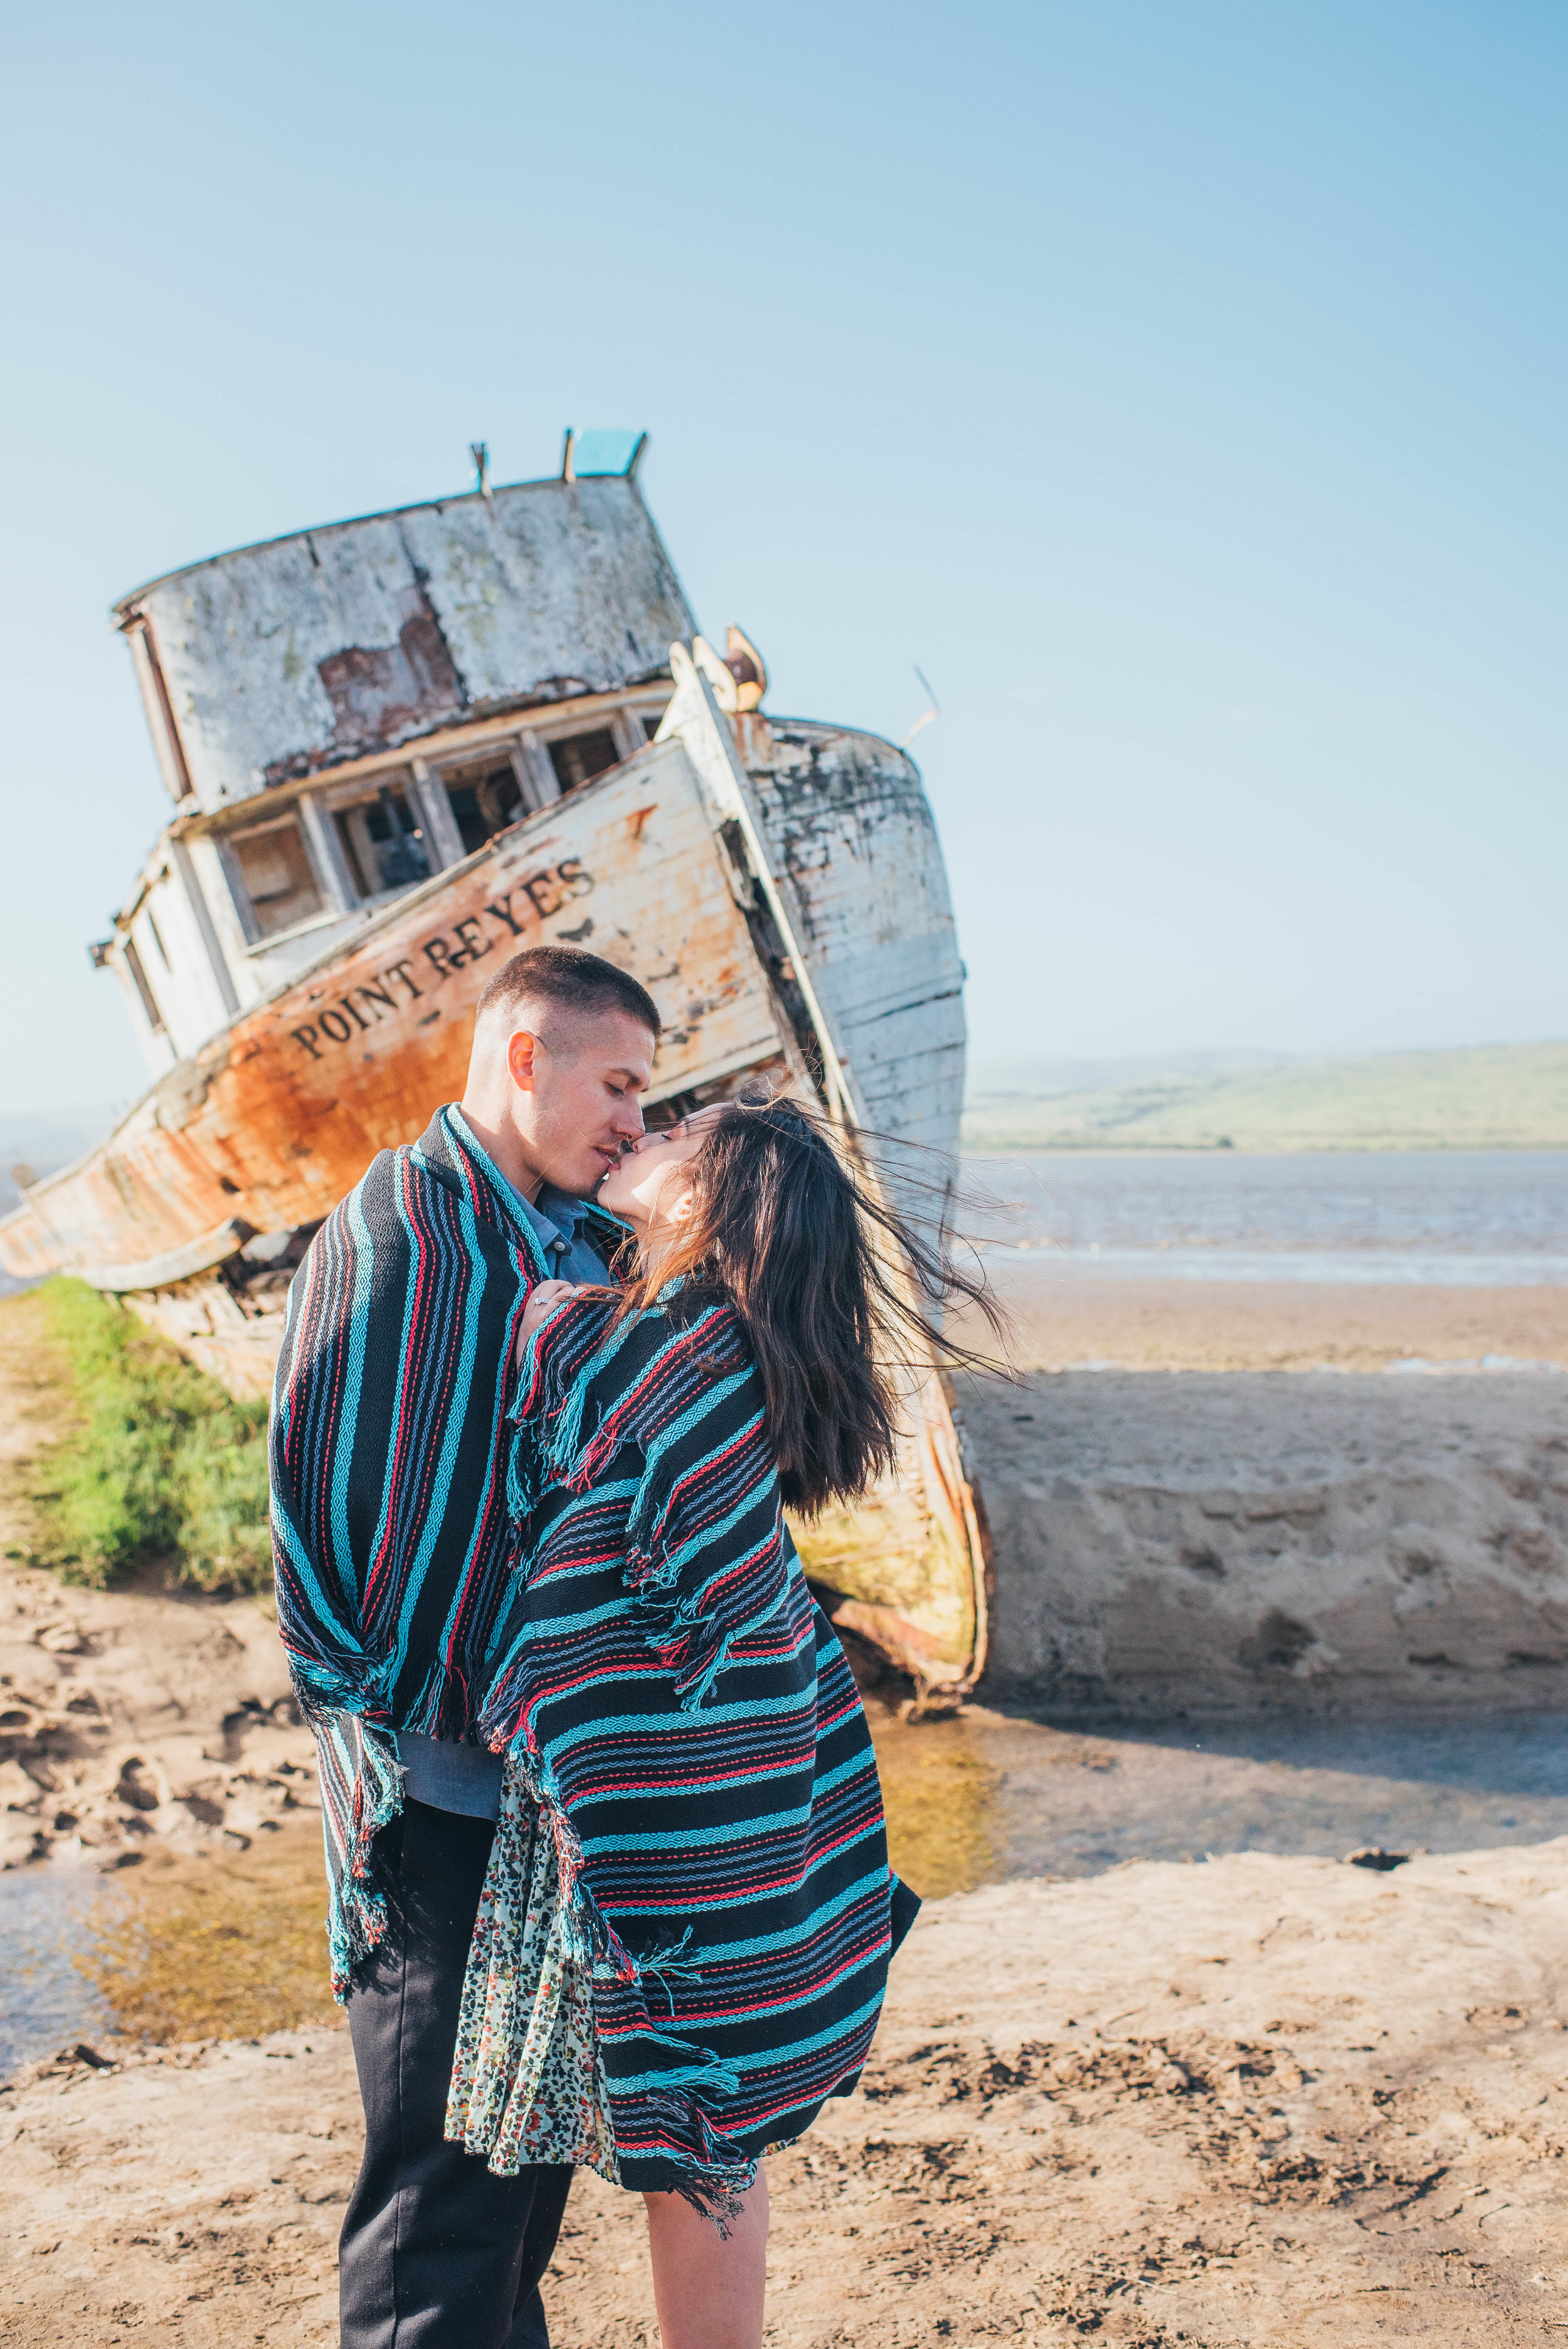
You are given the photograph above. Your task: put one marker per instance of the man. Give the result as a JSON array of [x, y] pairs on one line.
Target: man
[[389, 1458]]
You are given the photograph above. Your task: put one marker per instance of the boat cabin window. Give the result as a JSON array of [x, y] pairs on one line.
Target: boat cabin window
[[384, 845], [138, 978], [485, 804], [580, 757], [276, 868]]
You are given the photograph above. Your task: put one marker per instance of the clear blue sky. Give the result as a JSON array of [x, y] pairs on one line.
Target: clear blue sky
[[1182, 385]]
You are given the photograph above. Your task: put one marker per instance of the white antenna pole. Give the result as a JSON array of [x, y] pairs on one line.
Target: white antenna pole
[[926, 715]]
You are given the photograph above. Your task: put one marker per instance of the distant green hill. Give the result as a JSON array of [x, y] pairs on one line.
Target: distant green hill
[[1491, 1097]]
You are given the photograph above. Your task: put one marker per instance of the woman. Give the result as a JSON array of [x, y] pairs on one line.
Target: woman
[[684, 1938]]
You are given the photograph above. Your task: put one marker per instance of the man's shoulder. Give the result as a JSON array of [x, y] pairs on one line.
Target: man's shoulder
[[408, 1228], [384, 1205], [405, 1168]]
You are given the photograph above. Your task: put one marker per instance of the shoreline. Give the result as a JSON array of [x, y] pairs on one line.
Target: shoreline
[[989, 1150], [1070, 1320]]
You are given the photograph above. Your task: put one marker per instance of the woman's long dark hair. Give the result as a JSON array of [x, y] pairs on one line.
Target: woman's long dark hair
[[830, 1281]]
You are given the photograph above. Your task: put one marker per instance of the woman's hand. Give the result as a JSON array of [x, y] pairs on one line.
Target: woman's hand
[[542, 1300]]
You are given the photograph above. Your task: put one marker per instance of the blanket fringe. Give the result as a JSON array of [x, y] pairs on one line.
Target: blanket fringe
[[357, 1918], [527, 2042]]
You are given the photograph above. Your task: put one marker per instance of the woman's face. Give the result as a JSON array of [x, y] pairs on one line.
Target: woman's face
[[651, 1188]]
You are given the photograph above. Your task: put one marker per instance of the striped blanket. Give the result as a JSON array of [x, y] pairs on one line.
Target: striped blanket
[[684, 1936], [392, 1542], [683, 1940]]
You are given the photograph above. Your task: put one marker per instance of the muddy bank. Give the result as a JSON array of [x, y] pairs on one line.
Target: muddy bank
[[153, 1716], [1260, 2100], [230, 1941], [137, 1719], [1172, 1543]]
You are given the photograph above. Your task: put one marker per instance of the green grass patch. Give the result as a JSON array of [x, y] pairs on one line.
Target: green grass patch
[[155, 1460]]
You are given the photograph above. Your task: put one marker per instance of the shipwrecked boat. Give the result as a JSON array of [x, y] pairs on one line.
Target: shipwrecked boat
[[399, 749]]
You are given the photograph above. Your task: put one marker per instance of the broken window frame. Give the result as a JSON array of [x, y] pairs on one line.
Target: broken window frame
[[316, 811], [480, 769], [229, 844], [341, 807], [638, 722], [630, 724], [143, 986], [557, 744]]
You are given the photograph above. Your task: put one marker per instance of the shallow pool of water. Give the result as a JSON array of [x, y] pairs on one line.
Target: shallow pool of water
[[1074, 1802], [45, 2000], [231, 1945]]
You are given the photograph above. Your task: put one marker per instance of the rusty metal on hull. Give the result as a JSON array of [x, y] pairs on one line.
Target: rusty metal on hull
[[277, 1118]]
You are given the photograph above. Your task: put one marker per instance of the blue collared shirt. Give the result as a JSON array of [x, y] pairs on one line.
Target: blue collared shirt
[[560, 1220]]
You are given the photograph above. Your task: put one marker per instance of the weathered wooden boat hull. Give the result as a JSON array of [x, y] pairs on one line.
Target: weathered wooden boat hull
[[777, 888], [278, 1116]]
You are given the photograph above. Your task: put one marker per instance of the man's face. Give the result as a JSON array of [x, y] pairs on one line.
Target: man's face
[[578, 1083]]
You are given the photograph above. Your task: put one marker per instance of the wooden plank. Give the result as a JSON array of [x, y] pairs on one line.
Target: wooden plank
[[213, 1248]]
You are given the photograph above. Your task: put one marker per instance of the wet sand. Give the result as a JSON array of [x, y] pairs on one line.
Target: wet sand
[[1065, 1803], [1268, 2097], [141, 1718], [229, 1941], [1064, 1321], [148, 1716], [1259, 2100]]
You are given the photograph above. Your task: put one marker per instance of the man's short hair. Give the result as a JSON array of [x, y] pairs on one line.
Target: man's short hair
[[573, 980]]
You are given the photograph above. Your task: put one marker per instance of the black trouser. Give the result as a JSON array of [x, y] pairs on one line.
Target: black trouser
[[437, 2253]]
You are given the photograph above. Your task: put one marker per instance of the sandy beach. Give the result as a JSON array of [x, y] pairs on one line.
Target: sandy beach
[[1258, 2100], [1267, 2096], [1201, 1528], [1064, 1321]]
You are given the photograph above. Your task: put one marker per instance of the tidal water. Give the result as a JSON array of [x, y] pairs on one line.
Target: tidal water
[[1074, 1803], [1445, 1218], [45, 2000], [993, 1796]]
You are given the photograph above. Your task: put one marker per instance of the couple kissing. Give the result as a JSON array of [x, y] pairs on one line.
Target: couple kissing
[[607, 1861]]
